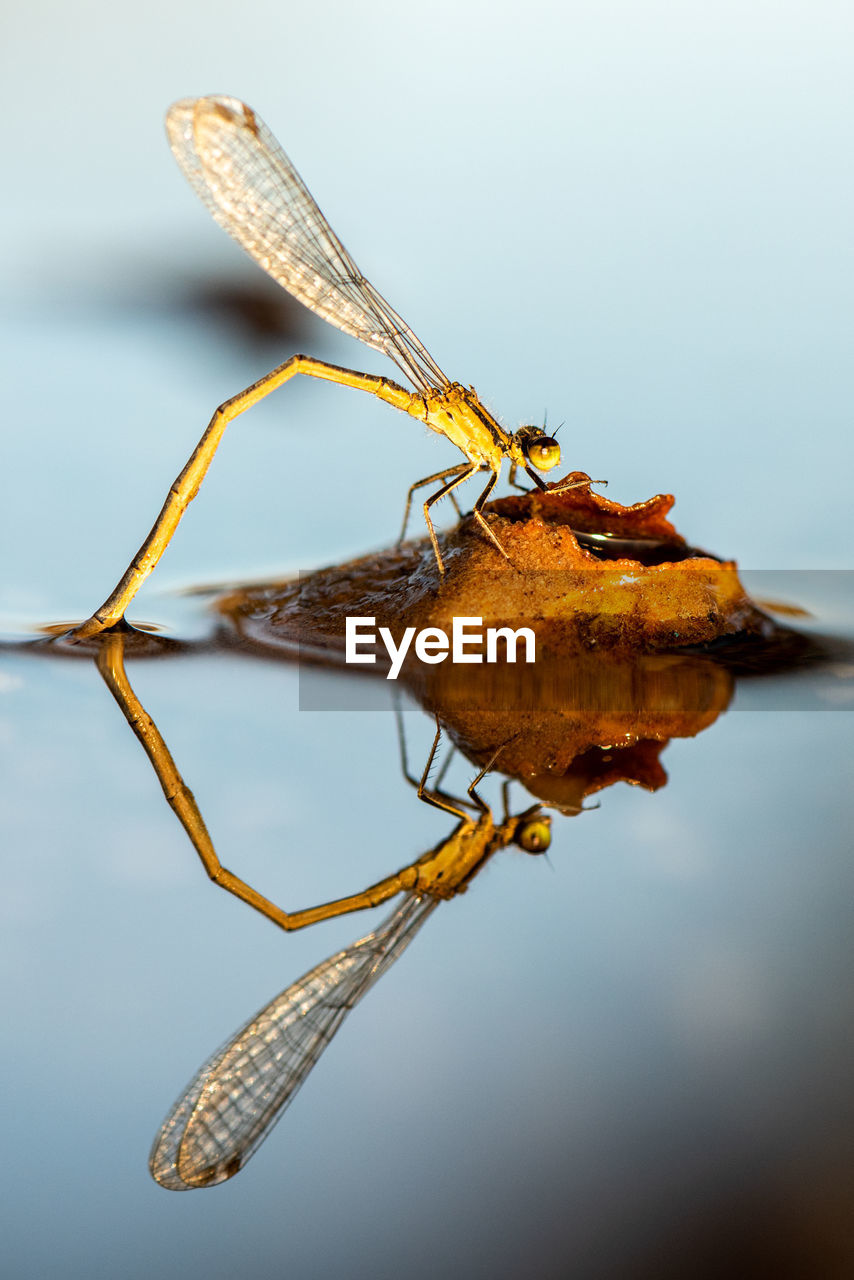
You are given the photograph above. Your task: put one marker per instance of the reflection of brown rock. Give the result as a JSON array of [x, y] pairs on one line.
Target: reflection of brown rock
[[603, 696], [596, 769], [572, 597], [569, 727]]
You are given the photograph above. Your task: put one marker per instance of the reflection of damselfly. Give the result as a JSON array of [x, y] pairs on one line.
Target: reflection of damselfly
[[442, 872], [233, 1101], [237, 168]]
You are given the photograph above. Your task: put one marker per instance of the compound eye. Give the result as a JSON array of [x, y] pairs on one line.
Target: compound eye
[[543, 452], [535, 836]]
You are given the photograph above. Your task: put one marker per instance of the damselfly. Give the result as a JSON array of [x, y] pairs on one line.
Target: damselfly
[[441, 872], [240, 172], [236, 1097]]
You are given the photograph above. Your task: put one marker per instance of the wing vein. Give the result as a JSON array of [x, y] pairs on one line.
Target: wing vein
[[235, 1099], [240, 172]]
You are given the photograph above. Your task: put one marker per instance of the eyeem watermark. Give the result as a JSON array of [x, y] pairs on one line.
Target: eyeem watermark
[[468, 642]]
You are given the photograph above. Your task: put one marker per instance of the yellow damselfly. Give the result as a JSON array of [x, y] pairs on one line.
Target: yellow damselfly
[[238, 169], [234, 1100]]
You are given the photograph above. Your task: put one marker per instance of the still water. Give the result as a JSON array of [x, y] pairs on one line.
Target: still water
[[633, 1057], [627, 1058]]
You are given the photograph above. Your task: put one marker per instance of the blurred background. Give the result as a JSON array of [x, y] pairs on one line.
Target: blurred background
[[633, 217]]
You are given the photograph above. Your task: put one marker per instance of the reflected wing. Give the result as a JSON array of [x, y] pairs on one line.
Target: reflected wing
[[232, 1103], [238, 169]]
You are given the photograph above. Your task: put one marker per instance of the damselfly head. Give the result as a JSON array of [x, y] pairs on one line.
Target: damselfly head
[[542, 451], [534, 834]]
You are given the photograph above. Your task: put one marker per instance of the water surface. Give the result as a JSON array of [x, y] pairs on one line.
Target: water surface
[[632, 1059]]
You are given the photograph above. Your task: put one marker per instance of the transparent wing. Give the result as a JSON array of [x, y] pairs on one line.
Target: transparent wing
[[232, 1103], [238, 169]]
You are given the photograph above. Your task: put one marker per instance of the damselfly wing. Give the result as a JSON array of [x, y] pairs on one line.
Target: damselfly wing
[[235, 1099]]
